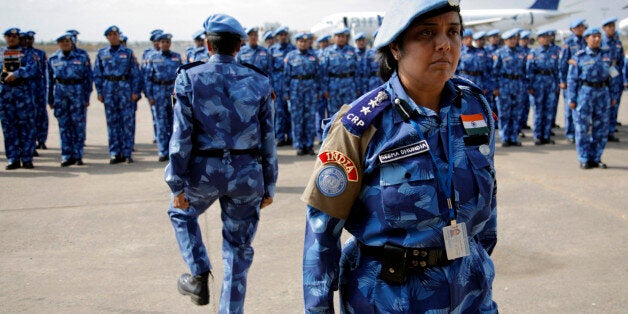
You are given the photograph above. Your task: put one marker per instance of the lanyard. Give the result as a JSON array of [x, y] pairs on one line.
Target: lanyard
[[446, 184]]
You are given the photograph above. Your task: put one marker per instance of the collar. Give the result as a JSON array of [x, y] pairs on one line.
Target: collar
[[217, 58]]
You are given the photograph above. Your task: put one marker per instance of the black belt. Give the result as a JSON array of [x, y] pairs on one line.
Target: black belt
[[17, 82], [68, 81], [343, 75], [168, 82], [375, 73], [116, 78], [596, 85], [472, 73], [222, 152], [512, 76], [544, 72], [303, 77]]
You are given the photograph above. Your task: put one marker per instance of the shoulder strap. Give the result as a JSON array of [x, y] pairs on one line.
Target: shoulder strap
[[362, 113], [254, 68]]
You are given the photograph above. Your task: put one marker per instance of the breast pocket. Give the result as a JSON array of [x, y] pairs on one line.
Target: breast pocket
[[481, 174], [408, 191]]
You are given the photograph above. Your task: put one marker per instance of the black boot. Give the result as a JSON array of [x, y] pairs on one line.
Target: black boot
[[14, 165], [197, 287]]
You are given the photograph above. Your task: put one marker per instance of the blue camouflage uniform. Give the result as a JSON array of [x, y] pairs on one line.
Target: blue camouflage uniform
[[301, 86], [571, 45], [473, 64], [222, 148], [321, 105], [373, 80], [554, 107], [17, 108], [542, 76], [145, 56], [257, 56], [69, 88], [39, 93], [193, 54], [490, 50], [509, 70], [117, 77], [587, 83], [527, 101], [161, 72], [361, 74], [278, 53], [75, 34], [616, 50], [339, 79]]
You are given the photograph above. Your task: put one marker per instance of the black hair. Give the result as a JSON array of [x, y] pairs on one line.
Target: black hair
[[387, 63], [224, 43]]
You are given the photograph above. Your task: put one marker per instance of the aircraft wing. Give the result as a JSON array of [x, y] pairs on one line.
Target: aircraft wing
[[486, 22]]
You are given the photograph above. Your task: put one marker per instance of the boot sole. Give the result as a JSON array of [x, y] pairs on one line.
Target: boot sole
[[195, 298]]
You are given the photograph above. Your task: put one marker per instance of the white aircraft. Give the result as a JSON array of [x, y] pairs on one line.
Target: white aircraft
[[541, 12]]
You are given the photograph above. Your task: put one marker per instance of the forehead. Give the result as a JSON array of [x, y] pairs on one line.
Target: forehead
[[444, 19]]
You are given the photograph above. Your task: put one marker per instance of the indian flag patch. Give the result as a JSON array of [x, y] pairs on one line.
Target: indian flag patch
[[474, 124]]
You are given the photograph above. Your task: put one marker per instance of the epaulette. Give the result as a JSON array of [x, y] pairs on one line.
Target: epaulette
[[464, 83], [254, 68], [189, 66], [362, 113], [579, 52]]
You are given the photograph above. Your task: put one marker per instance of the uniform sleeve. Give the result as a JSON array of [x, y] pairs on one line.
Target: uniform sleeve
[[136, 82], [49, 84], [325, 72], [530, 67], [98, 75], [148, 79], [31, 68], [497, 67], [573, 82], [88, 79], [287, 73], [563, 63], [321, 259], [269, 149], [177, 171]]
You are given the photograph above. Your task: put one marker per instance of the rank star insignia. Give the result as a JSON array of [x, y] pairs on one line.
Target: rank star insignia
[[373, 103], [381, 96], [365, 110]]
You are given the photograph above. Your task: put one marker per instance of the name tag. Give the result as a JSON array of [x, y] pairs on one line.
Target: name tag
[[403, 152]]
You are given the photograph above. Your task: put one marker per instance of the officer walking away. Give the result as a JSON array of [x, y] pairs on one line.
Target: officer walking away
[[17, 108], [590, 98], [571, 45], [254, 54], [301, 86], [421, 232], [39, 90], [543, 80], [610, 41], [278, 53], [69, 88], [339, 67], [509, 73], [222, 148], [117, 79], [161, 71], [198, 52]]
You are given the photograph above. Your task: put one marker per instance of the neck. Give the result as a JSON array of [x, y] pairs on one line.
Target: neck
[[427, 96]]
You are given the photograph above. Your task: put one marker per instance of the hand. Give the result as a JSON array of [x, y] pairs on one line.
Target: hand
[[151, 102], [10, 78], [180, 202], [266, 201], [134, 97], [87, 104], [531, 91], [613, 103], [51, 106], [101, 99], [287, 98], [572, 105], [562, 85], [326, 95], [496, 92]]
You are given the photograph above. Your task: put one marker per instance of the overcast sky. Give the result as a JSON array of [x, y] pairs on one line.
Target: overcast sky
[[136, 18]]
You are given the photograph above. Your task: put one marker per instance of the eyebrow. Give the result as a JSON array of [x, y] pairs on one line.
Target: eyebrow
[[435, 24]]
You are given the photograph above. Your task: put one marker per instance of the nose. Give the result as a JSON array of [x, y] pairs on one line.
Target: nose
[[442, 42]]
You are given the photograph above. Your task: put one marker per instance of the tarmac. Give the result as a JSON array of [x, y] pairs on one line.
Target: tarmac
[[97, 238]]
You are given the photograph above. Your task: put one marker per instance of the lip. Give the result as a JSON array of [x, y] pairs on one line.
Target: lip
[[442, 61]]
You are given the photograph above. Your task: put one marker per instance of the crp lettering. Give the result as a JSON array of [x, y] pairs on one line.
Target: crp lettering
[[355, 119]]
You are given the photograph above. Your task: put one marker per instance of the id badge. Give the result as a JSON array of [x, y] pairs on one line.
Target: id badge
[[456, 240], [613, 72]]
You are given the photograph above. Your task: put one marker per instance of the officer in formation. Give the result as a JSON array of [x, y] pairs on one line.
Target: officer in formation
[[321, 105], [473, 64], [75, 34], [339, 72], [360, 52], [145, 56], [118, 83], [17, 107], [69, 88], [610, 41], [543, 80], [161, 72], [571, 45], [493, 39], [278, 53], [524, 41], [556, 49], [301, 91], [509, 74], [198, 52], [39, 88], [479, 40], [253, 53], [371, 70], [269, 40], [222, 148], [588, 83]]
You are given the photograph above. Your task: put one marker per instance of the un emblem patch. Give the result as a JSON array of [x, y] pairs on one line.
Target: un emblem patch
[[331, 181]]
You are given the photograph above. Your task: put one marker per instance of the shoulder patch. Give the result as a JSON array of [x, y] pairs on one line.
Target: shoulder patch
[[358, 119], [462, 82], [254, 68], [188, 66]]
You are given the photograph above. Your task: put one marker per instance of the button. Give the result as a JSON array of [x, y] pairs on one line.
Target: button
[[391, 270], [423, 263], [415, 252], [415, 263], [423, 253], [408, 175]]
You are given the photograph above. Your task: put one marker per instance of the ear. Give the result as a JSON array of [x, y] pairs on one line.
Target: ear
[[394, 48], [209, 47]]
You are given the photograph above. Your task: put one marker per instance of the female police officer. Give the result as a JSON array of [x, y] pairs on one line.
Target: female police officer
[[407, 169]]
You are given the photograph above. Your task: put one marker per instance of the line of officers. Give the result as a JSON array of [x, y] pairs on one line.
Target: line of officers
[[590, 68]]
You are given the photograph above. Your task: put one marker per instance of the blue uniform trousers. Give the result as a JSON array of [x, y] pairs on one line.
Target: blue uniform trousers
[[70, 111], [591, 119], [120, 115], [41, 118], [342, 91], [544, 100], [510, 106], [321, 114], [569, 123], [17, 115], [282, 114], [163, 117], [237, 182], [302, 111]]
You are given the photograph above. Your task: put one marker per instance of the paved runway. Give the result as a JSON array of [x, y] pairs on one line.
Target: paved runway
[[96, 238]]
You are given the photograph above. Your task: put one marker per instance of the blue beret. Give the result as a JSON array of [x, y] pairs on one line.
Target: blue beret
[[510, 33], [12, 31], [323, 38], [493, 32], [479, 35], [252, 29], [112, 28], [576, 23], [155, 31], [401, 13], [66, 35], [524, 34], [467, 32], [73, 32], [360, 35], [223, 23], [154, 36], [309, 35], [268, 35], [164, 36], [545, 32], [280, 30], [341, 31], [591, 31], [30, 34], [608, 21], [123, 38], [300, 36], [198, 35]]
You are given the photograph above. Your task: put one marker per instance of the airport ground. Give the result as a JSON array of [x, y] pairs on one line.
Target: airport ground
[[96, 238]]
